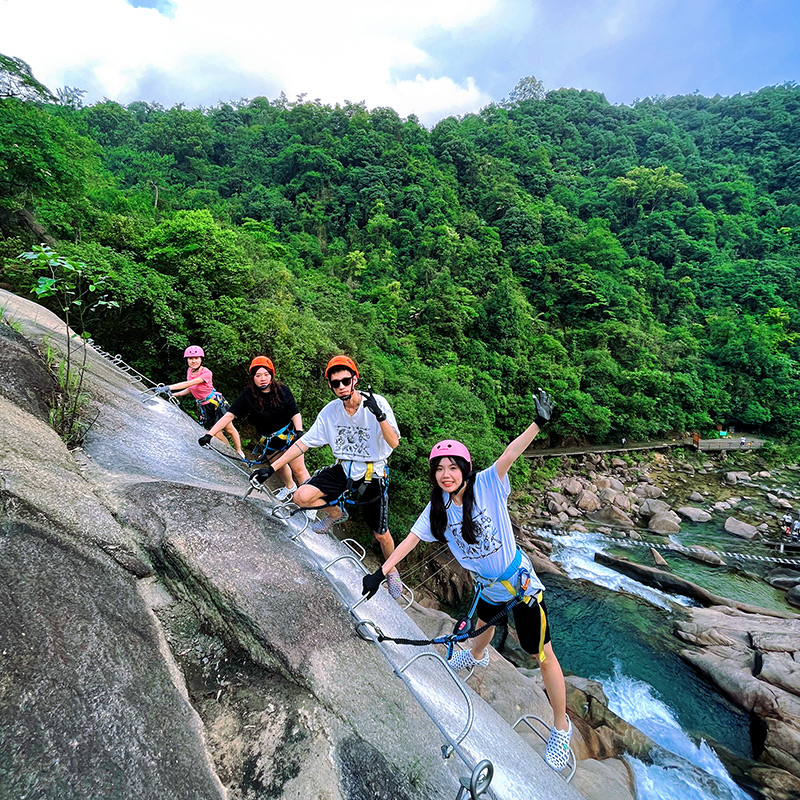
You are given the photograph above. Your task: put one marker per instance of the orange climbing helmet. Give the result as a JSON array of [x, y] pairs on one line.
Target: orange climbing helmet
[[341, 361], [262, 361]]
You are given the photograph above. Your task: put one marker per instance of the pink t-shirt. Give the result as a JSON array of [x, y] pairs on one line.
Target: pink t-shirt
[[200, 390]]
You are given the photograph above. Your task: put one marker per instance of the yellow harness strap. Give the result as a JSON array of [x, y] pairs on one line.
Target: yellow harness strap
[[528, 599], [370, 470]]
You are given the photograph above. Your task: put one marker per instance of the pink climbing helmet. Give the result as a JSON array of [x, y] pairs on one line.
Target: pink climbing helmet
[[450, 448], [193, 351]]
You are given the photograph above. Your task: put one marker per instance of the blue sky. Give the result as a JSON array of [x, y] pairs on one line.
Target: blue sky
[[427, 57]]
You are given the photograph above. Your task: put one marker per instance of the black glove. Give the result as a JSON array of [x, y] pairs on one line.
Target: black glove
[[544, 407], [371, 583], [372, 404], [262, 475], [205, 440]]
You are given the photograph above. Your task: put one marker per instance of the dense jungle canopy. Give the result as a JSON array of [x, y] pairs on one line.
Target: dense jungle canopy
[[640, 262]]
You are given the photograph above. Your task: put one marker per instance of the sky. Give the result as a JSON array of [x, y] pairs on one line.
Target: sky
[[431, 58]]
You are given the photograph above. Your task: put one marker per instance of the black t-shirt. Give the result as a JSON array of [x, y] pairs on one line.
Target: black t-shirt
[[273, 419]]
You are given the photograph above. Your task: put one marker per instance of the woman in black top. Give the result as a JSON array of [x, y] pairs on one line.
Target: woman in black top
[[271, 408]]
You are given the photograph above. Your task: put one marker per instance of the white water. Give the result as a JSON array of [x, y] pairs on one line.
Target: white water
[[575, 552], [668, 778]]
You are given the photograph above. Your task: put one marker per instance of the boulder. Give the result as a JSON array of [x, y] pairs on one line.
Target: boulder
[[610, 515], [610, 483], [658, 559], [687, 468], [573, 512], [588, 501], [573, 486], [793, 596], [648, 491], [553, 507], [783, 578], [704, 555], [558, 499], [651, 507], [741, 529], [721, 505], [732, 478], [696, 497], [578, 528], [694, 514], [618, 462], [664, 523], [607, 495], [622, 502]]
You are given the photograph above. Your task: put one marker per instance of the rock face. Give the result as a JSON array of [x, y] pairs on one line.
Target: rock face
[[161, 638], [753, 661], [741, 529]]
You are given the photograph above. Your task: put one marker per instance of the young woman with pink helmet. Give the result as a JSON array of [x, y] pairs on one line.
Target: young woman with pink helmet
[[468, 510], [211, 405]]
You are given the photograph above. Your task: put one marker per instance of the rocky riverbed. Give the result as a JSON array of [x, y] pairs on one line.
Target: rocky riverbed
[[751, 654]]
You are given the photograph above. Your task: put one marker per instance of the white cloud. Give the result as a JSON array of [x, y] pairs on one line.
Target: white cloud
[[354, 49]]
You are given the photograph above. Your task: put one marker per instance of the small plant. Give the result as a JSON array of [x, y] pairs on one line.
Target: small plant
[[77, 294]]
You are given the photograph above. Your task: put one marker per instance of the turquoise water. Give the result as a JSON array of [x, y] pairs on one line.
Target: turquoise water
[[596, 630]]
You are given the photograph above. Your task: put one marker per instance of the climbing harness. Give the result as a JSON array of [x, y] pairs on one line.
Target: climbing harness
[[349, 497], [274, 443], [464, 629], [265, 449]]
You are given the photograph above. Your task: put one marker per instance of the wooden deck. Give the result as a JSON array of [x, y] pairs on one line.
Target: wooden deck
[[706, 445]]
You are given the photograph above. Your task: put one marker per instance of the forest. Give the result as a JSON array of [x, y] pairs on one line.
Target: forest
[[641, 262]]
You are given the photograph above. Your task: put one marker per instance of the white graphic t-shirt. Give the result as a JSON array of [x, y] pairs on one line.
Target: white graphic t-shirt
[[355, 440], [495, 547]]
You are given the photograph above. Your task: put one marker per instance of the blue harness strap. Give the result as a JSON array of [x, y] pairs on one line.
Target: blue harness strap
[[517, 595]]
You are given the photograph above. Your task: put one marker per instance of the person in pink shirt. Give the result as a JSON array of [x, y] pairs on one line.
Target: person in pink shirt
[[211, 404]]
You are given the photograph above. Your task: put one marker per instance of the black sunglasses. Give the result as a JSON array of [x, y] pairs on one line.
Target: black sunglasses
[[335, 384]]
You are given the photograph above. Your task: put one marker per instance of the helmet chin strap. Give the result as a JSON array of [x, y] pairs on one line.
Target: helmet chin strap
[[460, 487]]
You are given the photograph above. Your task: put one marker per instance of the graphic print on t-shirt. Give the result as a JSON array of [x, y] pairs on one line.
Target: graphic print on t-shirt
[[488, 538], [351, 441]]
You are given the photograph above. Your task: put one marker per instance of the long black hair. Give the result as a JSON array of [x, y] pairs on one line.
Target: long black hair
[[265, 401], [439, 507]]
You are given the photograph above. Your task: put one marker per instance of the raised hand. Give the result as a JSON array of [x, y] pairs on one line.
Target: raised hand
[[544, 407], [372, 404]]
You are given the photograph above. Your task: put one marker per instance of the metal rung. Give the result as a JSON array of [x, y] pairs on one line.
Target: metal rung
[[356, 547], [526, 718], [461, 688]]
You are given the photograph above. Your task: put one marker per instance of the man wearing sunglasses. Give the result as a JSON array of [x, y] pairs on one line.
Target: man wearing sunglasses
[[361, 430]]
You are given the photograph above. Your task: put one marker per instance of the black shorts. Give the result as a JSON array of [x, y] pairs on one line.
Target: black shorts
[[527, 621], [373, 501], [211, 413]]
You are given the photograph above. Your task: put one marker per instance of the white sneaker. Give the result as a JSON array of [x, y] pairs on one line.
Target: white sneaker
[[285, 493], [557, 754], [463, 659]]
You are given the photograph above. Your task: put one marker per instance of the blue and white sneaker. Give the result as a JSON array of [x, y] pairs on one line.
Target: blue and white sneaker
[[463, 659], [557, 754]]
